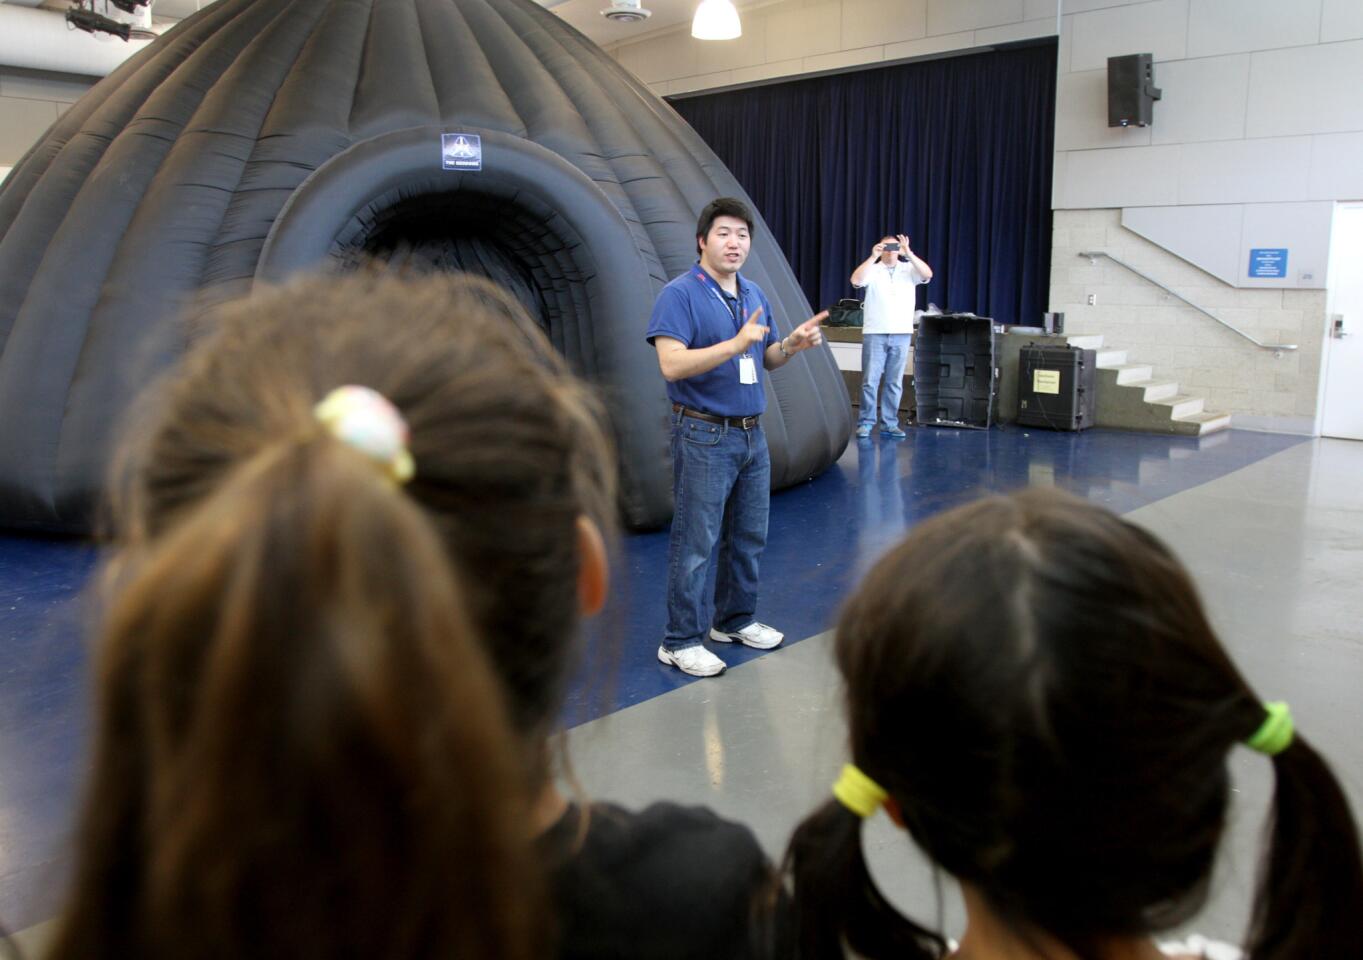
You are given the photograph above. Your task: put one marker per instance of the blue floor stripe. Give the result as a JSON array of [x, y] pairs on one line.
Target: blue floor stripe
[[824, 535]]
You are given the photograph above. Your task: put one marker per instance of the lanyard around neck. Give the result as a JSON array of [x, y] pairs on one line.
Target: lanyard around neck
[[731, 304]]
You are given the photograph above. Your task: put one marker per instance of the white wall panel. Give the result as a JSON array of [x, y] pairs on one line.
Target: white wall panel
[[804, 31], [1138, 176], [769, 71], [1159, 27], [867, 23], [1206, 236], [1087, 6], [661, 58], [844, 58], [704, 81], [1306, 90], [1059, 179], [1203, 99], [1341, 20], [953, 16], [929, 45], [1238, 26], [1336, 167], [40, 86], [1027, 30], [22, 122], [1244, 171]]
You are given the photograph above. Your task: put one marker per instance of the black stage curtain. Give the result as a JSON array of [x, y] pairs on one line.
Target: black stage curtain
[[955, 153]]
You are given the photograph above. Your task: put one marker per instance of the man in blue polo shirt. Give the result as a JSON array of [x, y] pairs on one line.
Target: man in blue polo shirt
[[712, 330]]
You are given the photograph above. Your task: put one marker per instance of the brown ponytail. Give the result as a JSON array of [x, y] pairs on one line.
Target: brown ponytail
[[838, 902], [301, 750], [1309, 901]]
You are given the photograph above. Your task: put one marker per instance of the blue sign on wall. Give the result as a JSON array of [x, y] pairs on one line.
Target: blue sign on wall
[[461, 151], [1267, 262]]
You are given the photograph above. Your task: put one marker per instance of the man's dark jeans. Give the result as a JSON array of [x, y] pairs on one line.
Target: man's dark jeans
[[722, 490]]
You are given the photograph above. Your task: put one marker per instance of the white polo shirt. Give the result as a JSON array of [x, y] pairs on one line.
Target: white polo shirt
[[889, 298]]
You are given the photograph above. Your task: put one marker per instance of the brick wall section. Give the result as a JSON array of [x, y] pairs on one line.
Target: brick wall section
[[1182, 344]]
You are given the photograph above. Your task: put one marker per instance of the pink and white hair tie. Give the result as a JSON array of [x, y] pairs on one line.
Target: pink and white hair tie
[[367, 421]]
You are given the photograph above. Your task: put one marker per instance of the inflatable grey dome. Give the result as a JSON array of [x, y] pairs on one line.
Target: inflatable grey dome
[[263, 137]]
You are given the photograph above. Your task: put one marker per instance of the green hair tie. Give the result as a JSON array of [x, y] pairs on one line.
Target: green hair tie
[[1275, 733], [858, 792]]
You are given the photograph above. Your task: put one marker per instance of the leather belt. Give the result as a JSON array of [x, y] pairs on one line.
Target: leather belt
[[743, 423]]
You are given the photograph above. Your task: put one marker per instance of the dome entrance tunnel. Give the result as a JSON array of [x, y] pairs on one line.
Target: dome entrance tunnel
[[474, 234], [529, 221]]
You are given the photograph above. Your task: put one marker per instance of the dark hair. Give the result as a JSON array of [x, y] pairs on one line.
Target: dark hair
[[721, 207], [510, 448], [1034, 682], [301, 749]]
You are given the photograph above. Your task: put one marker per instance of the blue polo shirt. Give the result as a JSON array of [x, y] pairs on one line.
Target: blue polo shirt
[[693, 309]]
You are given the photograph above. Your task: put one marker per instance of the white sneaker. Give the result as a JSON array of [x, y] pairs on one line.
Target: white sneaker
[[696, 661], [756, 635]]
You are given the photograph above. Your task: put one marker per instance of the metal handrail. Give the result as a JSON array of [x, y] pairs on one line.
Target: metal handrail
[[1277, 348]]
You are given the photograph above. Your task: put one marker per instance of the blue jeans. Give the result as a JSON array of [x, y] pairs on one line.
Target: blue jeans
[[721, 486], [882, 354]]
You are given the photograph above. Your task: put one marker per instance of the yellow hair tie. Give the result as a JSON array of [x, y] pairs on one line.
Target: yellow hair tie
[[1275, 733], [858, 792], [367, 421]]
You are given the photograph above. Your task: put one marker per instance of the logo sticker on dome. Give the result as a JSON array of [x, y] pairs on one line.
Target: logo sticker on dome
[[461, 151]]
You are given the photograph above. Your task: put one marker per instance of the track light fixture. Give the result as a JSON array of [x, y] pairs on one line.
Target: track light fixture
[[82, 16]]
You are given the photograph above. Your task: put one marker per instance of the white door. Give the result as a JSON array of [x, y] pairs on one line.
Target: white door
[[1342, 405]]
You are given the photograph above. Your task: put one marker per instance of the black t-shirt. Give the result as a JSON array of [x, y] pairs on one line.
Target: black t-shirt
[[667, 883]]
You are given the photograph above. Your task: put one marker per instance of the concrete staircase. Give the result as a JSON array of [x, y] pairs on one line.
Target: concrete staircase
[[1131, 398]]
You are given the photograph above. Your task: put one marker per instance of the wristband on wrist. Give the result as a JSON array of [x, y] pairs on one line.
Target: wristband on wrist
[[781, 345]]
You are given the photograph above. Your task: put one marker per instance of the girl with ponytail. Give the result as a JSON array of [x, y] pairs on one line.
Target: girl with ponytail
[[301, 750], [1035, 695], [282, 604]]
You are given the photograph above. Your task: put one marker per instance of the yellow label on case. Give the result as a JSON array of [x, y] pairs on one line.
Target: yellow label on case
[[1045, 381]]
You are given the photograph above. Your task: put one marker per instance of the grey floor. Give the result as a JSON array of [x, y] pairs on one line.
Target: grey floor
[[1277, 550]]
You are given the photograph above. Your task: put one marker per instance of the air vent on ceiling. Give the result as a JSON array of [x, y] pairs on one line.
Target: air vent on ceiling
[[626, 11]]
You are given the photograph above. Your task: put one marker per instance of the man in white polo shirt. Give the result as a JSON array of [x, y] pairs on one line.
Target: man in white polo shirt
[[889, 275]]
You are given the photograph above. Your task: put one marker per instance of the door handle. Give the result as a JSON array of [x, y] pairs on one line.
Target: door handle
[[1337, 327]]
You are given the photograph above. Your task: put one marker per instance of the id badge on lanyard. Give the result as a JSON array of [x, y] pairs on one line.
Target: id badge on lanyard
[[747, 365]]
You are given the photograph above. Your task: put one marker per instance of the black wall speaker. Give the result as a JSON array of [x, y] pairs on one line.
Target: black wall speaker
[[1131, 90]]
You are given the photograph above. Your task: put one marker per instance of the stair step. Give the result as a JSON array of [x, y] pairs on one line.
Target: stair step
[[1129, 373], [1155, 391], [1181, 405], [1086, 343], [1207, 421], [1107, 359]]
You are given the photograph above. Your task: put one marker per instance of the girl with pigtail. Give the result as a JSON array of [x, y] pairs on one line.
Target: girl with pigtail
[[1035, 695], [361, 525]]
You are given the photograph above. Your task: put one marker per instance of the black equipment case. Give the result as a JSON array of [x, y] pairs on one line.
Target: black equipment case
[[1056, 387], [954, 377]]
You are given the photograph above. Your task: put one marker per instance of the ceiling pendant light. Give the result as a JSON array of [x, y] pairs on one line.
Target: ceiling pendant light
[[716, 20]]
